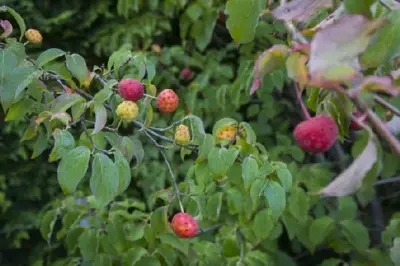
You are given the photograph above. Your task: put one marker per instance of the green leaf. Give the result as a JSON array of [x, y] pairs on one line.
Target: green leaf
[[40, 145], [356, 234], [395, 251], [78, 109], [106, 92], [72, 239], [77, 65], [249, 172], [101, 118], [256, 189], [64, 102], [104, 180], [72, 168], [320, 229], [89, 244], [124, 171], [299, 204], [148, 261], [220, 160], [361, 7], [18, 19], [47, 224], [243, 19], [159, 220], [284, 176], [251, 136], [263, 224], [117, 59], [214, 205], [347, 209], [220, 124], [203, 29], [102, 260], [197, 128], [63, 143], [18, 110], [48, 56], [384, 44], [206, 146], [276, 197], [116, 236], [133, 255]]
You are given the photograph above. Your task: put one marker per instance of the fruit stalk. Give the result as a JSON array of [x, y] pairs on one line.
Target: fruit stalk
[[301, 102]]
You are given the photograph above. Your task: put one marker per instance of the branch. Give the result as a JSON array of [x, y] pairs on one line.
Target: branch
[[387, 181], [293, 30], [177, 192], [387, 105]]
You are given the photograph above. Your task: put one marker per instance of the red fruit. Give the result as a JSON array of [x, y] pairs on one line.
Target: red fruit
[[131, 89], [68, 90], [317, 134], [184, 225], [354, 125], [167, 101], [186, 73]]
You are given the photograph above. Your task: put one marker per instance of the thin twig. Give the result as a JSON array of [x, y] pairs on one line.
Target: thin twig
[[177, 192], [387, 105], [387, 181], [301, 102], [292, 29]]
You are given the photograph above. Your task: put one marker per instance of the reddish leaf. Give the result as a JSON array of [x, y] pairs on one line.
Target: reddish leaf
[[351, 179], [340, 44], [299, 10], [377, 84], [267, 62], [7, 27]]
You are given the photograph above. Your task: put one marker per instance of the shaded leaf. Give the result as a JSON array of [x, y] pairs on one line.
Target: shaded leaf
[[40, 145], [89, 244], [102, 260], [299, 10], [267, 62], [214, 205], [361, 7], [206, 146], [356, 234], [249, 172], [64, 102], [77, 65], [104, 180], [263, 224], [351, 179], [133, 255], [320, 229], [159, 220], [47, 224], [72, 168]]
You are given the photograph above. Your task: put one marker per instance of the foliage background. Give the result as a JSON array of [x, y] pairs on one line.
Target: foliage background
[[191, 34]]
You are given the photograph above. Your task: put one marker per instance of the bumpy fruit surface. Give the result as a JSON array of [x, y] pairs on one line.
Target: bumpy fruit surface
[[182, 135], [33, 36], [317, 134], [186, 73], [167, 101], [354, 125], [184, 225], [131, 89], [127, 110], [227, 133]]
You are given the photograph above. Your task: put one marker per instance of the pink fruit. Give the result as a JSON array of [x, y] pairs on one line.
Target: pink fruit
[[186, 73], [184, 225], [317, 134], [131, 89], [167, 101]]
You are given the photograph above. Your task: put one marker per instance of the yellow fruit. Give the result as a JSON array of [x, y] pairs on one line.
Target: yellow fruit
[[34, 36], [182, 135], [127, 110], [227, 133]]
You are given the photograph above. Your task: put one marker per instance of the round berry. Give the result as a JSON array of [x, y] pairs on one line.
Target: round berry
[[131, 89], [186, 73], [33, 36], [127, 110], [167, 101], [184, 225], [317, 134], [182, 135]]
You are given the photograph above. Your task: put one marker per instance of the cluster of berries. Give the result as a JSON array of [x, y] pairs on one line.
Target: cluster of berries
[[131, 90]]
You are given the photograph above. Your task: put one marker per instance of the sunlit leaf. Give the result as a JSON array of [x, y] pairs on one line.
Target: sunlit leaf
[[267, 62], [49, 55], [63, 143], [77, 65], [296, 67], [101, 118]]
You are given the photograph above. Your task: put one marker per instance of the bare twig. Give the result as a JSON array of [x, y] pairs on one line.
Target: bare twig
[[387, 105], [177, 192], [293, 30], [387, 181]]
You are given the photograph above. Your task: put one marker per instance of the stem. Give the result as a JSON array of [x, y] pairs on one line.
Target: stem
[[387, 181], [379, 126], [387, 105], [149, 96], [177, 192], [301, 102], [292, 29]]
